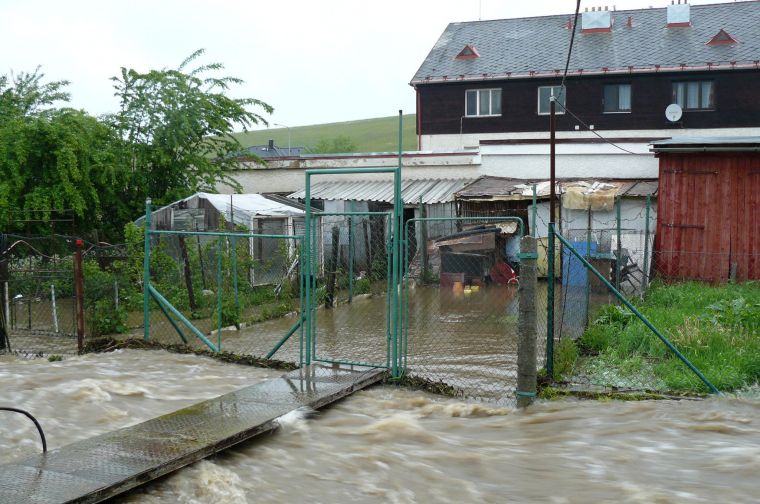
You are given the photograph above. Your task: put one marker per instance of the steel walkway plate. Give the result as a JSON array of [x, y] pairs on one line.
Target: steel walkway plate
[[101, 467]]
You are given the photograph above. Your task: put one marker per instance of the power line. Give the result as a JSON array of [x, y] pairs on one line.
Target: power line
[[591, 130], [570, 49]]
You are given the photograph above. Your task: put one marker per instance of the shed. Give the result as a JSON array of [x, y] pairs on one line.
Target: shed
[[709, 221], [261, 214]]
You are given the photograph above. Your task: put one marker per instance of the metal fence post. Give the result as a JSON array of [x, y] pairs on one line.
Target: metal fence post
[[526, 342], [550, 303], [79, 290], [619, 252], [351, 254], [146, 273], [645, 280], [534, 211], [54, 309]]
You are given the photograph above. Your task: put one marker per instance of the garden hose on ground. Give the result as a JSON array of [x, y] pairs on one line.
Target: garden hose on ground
[[36, 423]]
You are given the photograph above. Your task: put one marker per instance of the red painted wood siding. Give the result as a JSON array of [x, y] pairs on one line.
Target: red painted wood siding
[[709, 217]]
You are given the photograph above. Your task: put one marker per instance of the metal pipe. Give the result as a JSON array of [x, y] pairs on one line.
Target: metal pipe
[[79, 285], [173, 323], [639, 315], [351, 254], [54, 308], [146, 272], [552, 157], [219, 250], [162, 300], [534, 211], [550, 303], [518, 220], [223, 234], [233, 259], [307, 264], [285, 338], [645, 280], [619, 251], [36, 424]]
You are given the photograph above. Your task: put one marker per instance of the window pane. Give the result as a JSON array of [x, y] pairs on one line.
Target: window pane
[[679, 94], [624, 98], [485, 102], [692, 95], [610, 98], [707, 95], [496, 101], [543, 100], [471, 108]]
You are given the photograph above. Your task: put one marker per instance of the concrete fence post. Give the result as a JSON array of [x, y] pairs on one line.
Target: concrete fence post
[[526, 342]]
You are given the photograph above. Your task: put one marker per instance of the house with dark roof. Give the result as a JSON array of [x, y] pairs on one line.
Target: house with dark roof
[[487, 86]]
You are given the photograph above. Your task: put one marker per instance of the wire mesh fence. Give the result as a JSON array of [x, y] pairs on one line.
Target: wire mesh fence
[[41, 309], [461, 302]]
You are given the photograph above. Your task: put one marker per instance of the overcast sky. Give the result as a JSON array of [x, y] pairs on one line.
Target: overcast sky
[[314, 61]]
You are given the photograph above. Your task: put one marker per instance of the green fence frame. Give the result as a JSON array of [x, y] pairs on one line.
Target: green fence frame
[[550, 330], [403, 348]]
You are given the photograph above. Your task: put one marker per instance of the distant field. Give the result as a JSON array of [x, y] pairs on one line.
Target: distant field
[[370, 135]]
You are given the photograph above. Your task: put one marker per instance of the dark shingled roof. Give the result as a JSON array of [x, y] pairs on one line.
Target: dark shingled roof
[[537, 47]]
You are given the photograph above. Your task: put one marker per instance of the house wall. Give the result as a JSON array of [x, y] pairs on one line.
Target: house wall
[[442, 105]]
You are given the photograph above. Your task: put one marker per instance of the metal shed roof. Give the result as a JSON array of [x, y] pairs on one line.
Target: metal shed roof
[[708, 144], [431, 191], [499, 188]]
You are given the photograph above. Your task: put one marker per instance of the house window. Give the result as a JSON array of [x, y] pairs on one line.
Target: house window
[[545, 93], [694, 95], [617, 98], [482, 102]]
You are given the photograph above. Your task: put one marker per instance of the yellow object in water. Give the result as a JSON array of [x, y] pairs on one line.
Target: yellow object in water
[[475, 288]]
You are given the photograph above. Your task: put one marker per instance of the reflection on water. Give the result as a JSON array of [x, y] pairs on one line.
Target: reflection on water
[[396, 445]]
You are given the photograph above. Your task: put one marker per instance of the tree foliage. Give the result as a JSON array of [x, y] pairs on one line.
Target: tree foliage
[[178, 126], [53, 161], [172, 136], [338, 144]]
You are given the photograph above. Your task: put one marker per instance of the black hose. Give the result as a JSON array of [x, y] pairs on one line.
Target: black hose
[[36, 423]]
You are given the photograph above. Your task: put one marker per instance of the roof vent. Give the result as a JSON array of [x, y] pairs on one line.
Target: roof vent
[[596, 21], [722, 38], [469, 52], [679, 14]]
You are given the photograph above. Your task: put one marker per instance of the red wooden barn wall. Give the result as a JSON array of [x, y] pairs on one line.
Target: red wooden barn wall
[[709, 216]]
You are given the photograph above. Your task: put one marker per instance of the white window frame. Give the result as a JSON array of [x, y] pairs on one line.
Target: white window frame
[[630, 98], [558, 110], [699, 82], [477, 102]]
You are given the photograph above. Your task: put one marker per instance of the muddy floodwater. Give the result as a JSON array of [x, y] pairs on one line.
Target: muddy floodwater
[[396, 445]]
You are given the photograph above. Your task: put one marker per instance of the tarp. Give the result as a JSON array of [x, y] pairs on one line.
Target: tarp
[[597, 196]]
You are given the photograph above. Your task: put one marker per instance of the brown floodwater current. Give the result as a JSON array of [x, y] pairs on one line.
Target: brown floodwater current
[[396, 445]]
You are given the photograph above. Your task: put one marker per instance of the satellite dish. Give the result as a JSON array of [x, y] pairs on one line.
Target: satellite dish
[[673, 112]]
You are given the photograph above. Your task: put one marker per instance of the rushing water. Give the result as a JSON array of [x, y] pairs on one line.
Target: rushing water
[[396, 445]]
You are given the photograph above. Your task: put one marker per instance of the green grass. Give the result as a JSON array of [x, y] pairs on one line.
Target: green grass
[[716, 327], [370, 135]]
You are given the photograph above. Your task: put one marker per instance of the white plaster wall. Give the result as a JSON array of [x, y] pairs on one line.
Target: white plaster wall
[[472, 140]]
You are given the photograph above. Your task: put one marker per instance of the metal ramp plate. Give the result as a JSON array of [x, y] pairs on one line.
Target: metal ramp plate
[[101, 467]]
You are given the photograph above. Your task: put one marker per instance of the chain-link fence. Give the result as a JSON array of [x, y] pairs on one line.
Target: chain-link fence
[[461, 303], [42, 313]]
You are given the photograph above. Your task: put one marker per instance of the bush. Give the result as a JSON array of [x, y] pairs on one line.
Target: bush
[[362, 286]]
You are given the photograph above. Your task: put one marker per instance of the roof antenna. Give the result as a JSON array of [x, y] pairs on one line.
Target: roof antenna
[[480, 10]]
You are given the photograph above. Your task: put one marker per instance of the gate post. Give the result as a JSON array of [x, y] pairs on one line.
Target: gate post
[[526, 342], [79, 293]]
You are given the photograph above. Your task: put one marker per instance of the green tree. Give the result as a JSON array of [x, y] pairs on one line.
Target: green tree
[[53, 159], [178, 125], [338, 144]]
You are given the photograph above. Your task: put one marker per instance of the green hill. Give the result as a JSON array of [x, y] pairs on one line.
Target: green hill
[[369, 135]]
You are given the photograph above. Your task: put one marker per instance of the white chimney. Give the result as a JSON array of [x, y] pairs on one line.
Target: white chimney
[[679, 14], [596, 21]]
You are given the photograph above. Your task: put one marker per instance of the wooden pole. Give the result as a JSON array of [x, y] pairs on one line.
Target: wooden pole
[[333, 266], [79, 294], [188, 273]]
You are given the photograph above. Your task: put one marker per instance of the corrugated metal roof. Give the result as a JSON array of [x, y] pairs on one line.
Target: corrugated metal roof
[[496, 188], [431, 191], [537, 46]]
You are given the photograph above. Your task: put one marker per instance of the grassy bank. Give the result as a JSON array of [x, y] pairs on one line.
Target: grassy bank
[[716, 327], [370, 135]]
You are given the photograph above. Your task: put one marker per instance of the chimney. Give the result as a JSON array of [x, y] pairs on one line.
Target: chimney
[[679, 14], [596, 21], [271, 145]]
